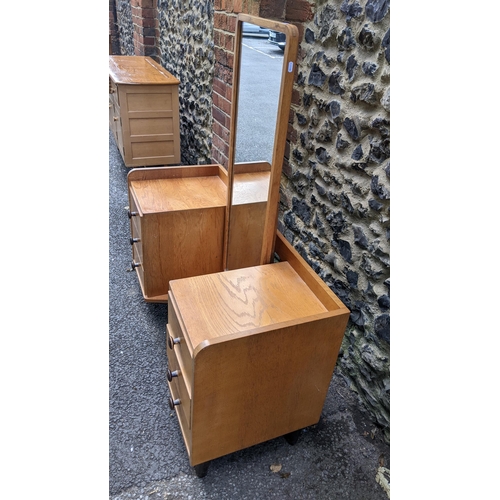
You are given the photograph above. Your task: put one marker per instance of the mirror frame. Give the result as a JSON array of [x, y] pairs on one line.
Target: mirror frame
[[284, 102]]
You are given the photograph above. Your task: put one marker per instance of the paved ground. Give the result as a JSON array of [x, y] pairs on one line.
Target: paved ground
[[336, 459]]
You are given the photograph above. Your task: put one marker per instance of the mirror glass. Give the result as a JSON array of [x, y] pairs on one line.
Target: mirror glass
[[261, 64], [260, 67]]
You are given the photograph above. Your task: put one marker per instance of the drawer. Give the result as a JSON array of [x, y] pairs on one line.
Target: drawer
[[181, 347], [135, 220], [139, 268], [113, 89], [179, 385]]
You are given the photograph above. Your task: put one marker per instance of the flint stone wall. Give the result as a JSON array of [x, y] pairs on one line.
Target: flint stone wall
[[125, 27], [334, 204], [186, 49]]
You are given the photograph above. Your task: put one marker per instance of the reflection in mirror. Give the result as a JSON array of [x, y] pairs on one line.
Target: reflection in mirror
[[262, 85], [259, 87]]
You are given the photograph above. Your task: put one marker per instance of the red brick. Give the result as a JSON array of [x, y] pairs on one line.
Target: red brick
[[219, 116], [298, 10], [145, 4], [220, 21], [273, 9], [145, 22], [225, 105], [231, 24], [287, 169], [149, 13], [229, 42]]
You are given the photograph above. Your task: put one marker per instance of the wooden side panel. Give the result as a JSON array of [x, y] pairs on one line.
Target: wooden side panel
[[261, 386], [246, 232], [179, 245]]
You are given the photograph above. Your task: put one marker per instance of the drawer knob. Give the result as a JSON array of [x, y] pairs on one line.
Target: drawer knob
[[171, 375], [135, 264], [131, 214], [116, 118], [173, 402], [134, 240], [171, 341]]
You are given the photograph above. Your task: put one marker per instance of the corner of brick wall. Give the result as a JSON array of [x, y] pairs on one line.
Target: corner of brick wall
[[145, 22]]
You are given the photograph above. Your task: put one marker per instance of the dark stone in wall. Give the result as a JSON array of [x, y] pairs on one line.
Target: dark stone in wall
[[351, 128], [322, 155], [358, 318], [344, 248], [324, 20], [325, 133], [370, 271], [369, 68], [346, 203], [297, 155], [337, 222], [351, 66], [364, 92], [309, 36], [302, 209], [341, 144], [335, 85], [357, 154], [382, 125], [290, 221], [316, 76], [360, 238], [367, 37], [382, 327], [378, 189], [352, 10], [384, 302], [376, 10], [386, 44], [334, 109], [301, 119], [379, 150], [346, 40], [315, 251], [375, 205], [352, 278]]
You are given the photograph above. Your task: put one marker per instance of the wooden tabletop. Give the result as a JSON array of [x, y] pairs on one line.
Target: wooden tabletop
[[139, 70], [235, 301], [169, 195]]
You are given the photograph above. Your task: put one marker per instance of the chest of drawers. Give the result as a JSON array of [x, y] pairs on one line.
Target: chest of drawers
[[144, 111], [251, 353], [177, 219]]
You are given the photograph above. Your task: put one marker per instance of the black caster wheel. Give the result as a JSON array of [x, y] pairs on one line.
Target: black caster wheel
[[202, 469], [292, 437]]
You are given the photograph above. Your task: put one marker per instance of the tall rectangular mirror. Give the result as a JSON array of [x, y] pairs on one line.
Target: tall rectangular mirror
[[264, 68]]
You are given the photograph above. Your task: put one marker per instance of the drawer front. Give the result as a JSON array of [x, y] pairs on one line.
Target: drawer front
[[113, 89], [178, 385], [174, 331], [135, 230]]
